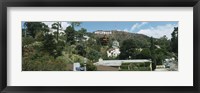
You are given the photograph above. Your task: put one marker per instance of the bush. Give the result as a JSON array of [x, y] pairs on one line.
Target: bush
[[44, 63], [27, 40], [49, 44], [93, 55], [135, 66], [89, 66], [39, 36], [80, 50]]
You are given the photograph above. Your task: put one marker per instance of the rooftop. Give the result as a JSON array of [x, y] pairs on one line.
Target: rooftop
[[119, 62]]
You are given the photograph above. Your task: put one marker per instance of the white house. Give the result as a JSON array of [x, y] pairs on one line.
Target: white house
[[114, 51]]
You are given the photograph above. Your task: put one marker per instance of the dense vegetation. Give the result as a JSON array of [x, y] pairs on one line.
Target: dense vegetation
[[54, 52]]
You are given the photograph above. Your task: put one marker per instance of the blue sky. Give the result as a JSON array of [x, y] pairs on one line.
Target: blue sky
[[93, 26], [156, 29]]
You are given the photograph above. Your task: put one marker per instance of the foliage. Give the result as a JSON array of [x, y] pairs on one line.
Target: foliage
[[57, 25], [93, 55], [39, 36], [59, 48], [91, 67], [80, 33], [43, 63], [34, 27], [48, 52], [81, 50], [27, 40], [163, 43], [153, 54], [135, 66], [104, 40], [75, 24], [129, 49], [49, 44], [144, 54], [174, 40], [70, 34]]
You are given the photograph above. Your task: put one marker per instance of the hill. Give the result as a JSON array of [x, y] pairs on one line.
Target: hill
[[120, 36]]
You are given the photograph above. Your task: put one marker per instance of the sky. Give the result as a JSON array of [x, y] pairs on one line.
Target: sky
[[155, 29]]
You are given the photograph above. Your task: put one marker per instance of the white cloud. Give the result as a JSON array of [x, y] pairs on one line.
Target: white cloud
[[48, 23], [119, 30], [63, 24], [159, 31], [126, 30], [138, 25]]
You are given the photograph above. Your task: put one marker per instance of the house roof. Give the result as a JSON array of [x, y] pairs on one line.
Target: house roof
[[119, 62]]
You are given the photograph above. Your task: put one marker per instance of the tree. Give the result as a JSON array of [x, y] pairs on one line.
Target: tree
[[49, 44], [164, 43], [59, 48], [153, 55], [160, 56], [39, 36], [75, 24], [93, 55], [129, 49], [91, 67], [57, 25], [104, 40], [174, 40], [80, 50], [70, 35], [145, 54], [70, 32], [52, 47], [32, 28], [80, 33], [25, 42]]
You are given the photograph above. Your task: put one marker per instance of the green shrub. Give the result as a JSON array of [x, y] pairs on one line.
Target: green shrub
[[135, 66], [27, 40], [89, 66], [37, 62]]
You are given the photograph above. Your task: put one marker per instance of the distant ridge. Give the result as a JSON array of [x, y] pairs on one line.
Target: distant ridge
[[119, 35]]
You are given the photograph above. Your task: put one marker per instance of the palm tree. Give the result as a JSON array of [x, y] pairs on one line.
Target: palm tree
[[57, 25]]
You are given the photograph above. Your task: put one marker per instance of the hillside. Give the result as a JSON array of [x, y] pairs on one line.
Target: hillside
[[120, 36]]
